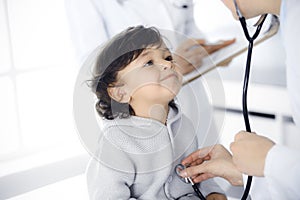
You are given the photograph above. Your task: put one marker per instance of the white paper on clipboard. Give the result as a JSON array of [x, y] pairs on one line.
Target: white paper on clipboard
[[226, 54]]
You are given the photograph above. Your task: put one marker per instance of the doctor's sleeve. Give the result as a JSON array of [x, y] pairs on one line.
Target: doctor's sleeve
[[259, 189], [86, 27], [282, 171]]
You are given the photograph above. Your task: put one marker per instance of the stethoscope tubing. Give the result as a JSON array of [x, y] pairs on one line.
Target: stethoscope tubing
[[246, 83]]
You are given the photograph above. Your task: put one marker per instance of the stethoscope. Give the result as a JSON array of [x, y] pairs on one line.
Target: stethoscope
[[188, 180], [259, 25], [250, 39]]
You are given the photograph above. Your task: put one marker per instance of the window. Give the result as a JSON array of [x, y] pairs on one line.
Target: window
[[37, 74]]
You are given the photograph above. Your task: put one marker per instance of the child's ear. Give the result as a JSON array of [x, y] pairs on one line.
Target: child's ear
[[119, 94]]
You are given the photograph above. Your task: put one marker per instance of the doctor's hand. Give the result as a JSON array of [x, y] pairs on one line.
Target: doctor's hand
[[209, 162], [249, 152], [213, 47], [190, 53]]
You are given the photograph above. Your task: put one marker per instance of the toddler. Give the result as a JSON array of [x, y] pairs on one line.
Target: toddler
[[144, 133]]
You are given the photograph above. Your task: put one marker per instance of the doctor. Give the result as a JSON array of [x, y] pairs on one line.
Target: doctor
[[253, 154]]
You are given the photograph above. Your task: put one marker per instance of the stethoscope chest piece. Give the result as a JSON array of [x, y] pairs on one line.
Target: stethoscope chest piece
[[188, 180], [178, 169]]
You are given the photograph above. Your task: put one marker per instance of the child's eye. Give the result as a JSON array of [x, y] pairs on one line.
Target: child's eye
[[149, 63], [169, 58]]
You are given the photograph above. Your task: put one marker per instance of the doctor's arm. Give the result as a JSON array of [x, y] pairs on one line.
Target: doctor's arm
[[259, 156]]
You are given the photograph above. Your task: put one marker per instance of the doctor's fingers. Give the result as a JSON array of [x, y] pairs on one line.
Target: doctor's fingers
[[219, 45], [195, 62], [195, 56], [196, 51], [196, 155], [198, 161], [202, 177], [190, 43], [243, 135], [195, 171], [186, 66]]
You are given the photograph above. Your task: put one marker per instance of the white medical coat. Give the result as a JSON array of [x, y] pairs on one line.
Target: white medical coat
[[282, 166], [93, 22]]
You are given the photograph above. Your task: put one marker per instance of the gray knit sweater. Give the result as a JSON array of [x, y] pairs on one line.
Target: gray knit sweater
[[137, 156]]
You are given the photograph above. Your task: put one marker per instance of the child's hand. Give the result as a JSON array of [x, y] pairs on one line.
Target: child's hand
[[216, 196]]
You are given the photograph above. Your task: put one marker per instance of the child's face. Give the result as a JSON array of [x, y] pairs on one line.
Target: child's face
[[152, 78]]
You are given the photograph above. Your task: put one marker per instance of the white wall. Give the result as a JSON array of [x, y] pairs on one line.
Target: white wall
[[37, 73]]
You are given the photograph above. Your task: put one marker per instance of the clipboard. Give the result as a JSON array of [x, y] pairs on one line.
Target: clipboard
[[226, 54]]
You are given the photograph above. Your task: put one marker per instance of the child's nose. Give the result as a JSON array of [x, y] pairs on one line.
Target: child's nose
[[166, 64]]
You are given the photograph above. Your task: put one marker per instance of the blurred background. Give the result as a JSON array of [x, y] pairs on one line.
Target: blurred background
[[41, 156]]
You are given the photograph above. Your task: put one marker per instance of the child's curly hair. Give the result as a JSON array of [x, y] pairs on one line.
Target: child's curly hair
[[120, 51]]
